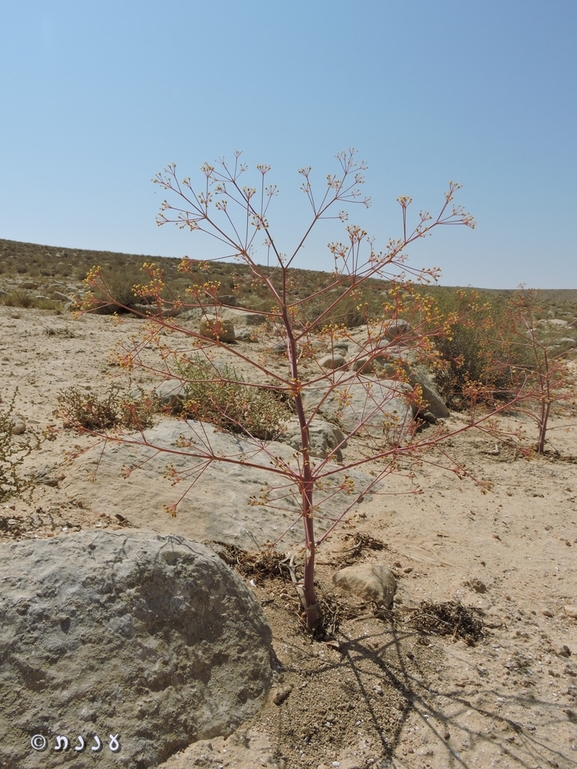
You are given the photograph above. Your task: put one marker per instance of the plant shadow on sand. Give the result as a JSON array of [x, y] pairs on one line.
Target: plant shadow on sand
[[381, 691]]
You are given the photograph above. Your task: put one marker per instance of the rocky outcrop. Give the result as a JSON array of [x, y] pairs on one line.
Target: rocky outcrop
[[138, 642], [170, 394], [324, 438], [395, 360], [227, 502], [373, 407]]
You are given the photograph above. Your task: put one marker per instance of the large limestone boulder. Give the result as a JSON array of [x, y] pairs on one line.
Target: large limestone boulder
[[227, 502], [393, 358], [140, 642], [324, 438], [376, 408]]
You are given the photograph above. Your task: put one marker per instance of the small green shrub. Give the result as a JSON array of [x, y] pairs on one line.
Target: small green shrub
[[220, 396], [82, 411]]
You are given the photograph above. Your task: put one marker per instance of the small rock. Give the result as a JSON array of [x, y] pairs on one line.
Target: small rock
[[244, 335], [242, 317], [62, 297], [547, 613], [562, 650], [194, 314], [371, 582], [553, 322], [570, 611], [281, 694], [18, 425], [332, 361], [363, 365], [170, 394], [396, 329]]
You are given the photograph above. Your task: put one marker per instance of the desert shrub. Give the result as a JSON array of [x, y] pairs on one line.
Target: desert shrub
[[116, 294], [13, 450], [82, 410], [476, 354], [220, 396], [543, 377], [18, 297], [63, 333], [350, 312]]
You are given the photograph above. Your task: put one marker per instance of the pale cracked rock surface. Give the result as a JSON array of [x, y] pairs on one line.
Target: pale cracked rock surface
[[371, 407], [150, 638], [227, 502]]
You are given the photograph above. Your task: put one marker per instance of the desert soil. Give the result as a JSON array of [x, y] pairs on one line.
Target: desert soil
[[383, 691]]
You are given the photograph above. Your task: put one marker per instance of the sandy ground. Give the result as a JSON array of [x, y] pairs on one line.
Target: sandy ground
[[381, 693]]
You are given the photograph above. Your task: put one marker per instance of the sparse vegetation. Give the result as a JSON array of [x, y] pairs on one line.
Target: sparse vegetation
[[218, 394], [13, 450], [539, 361], [492, 337], [22, 298], [86, 411]]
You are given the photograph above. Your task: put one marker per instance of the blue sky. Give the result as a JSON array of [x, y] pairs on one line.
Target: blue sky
[[95, 98]]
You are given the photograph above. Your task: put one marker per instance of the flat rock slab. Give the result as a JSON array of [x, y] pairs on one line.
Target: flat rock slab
[[140, 642], [227, 502], [368, 407]]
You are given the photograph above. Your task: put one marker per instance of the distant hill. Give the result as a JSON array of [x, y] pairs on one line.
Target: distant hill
[[46, 268]]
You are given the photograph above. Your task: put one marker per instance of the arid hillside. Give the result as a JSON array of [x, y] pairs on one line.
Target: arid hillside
[[474, 666]]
